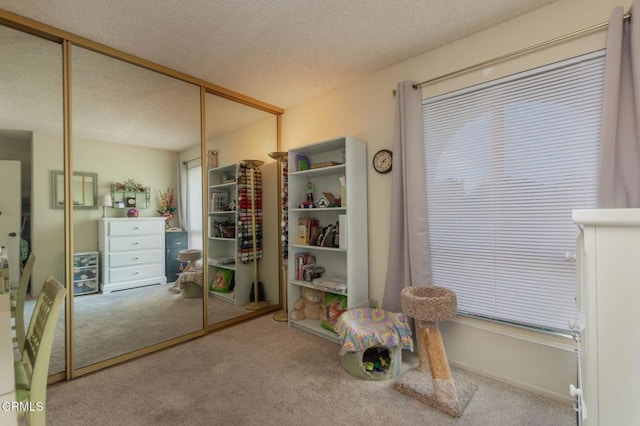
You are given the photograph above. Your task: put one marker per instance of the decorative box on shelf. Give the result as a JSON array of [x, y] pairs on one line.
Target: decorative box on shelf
[[225, 229], [127, 198]]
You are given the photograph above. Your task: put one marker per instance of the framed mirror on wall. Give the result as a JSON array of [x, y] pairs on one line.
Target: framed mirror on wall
[[31, 136], [84, 190]]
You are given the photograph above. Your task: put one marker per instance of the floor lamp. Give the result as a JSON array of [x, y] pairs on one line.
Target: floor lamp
[[252, 165], [282, 316]]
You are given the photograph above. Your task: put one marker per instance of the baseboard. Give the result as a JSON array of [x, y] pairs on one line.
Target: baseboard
[[521, 385], [128, 285]]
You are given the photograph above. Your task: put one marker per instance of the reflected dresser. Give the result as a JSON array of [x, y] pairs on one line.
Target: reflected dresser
[[132, 252]]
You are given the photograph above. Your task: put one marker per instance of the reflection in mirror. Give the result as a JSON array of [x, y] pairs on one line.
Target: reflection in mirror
[[84, 190], [237, 132], [134, 127], [31, 146]]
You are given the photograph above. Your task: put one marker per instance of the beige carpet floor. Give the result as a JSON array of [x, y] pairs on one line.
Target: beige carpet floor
[[262, 372], [112, 324]]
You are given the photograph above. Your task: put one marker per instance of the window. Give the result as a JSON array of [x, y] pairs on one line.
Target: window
[[194, 205], [506, 163]]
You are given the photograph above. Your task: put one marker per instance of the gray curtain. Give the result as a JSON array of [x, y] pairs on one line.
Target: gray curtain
[[619, 168], [181, 196], [408, 263]]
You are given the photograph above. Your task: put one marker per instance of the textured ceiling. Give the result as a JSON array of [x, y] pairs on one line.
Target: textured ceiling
[[282, 52], [111, 100]]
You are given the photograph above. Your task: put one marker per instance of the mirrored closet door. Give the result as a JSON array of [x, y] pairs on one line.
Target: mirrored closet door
[[31, 149], [138, 132], [142, 251], [236, 133]]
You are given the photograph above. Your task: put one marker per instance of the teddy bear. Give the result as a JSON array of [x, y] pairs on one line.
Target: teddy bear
[[309, 305]]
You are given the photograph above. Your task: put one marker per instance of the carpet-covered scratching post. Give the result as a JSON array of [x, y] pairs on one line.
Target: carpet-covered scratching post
[[432, 381], [188, 255], [191, 256]]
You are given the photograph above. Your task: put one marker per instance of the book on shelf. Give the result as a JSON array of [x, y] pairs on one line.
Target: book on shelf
[[227, 260], [302, 162], [303, 230], [325, 164], [308, 229], [314, 230], [337, 284]]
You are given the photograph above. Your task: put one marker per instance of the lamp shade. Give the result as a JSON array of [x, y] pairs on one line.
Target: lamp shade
[[105, 201], [278, 155]]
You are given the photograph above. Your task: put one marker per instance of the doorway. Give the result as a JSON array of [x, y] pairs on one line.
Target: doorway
[[16, 146]]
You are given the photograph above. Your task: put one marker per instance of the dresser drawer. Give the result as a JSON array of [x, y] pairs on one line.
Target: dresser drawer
[[89, 258], [176, 240], [134, 227], [136, 243], [135, 273], [129, 258]]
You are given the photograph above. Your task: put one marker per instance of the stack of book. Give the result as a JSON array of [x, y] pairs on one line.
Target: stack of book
[[325, 164], [332, 284]]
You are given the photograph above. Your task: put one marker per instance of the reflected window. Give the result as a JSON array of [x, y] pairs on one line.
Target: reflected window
[[194, 205]]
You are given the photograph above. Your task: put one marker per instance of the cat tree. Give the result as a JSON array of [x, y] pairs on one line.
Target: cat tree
[[432, 382]]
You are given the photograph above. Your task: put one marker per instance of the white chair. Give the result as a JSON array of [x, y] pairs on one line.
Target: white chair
[[33, 370], [18, 299]]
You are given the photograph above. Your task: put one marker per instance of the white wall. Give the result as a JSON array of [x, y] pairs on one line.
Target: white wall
[[47, 224], [365, 109], [113, 163]]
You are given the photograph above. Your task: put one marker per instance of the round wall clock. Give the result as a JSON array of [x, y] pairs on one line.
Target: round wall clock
[[382, 161]]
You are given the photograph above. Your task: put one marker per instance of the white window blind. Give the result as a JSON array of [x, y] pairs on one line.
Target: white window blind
[[506, 163]]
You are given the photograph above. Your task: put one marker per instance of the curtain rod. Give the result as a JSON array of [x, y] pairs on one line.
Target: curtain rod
[[193, 159], [516, 53]]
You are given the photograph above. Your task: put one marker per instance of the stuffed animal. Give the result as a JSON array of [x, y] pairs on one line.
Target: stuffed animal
[[309, 305]]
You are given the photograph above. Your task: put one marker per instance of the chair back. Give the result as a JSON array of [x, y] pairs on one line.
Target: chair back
[[21, 298], [39, 338]]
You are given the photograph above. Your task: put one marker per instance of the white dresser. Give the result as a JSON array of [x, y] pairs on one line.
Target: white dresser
[[609, 298], [132, 252]]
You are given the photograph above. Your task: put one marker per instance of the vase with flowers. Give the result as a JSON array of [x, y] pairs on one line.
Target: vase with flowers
[[167, 206]]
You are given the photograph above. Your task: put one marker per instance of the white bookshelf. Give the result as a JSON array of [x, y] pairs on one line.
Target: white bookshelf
[[350, 263], [223, 184]]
